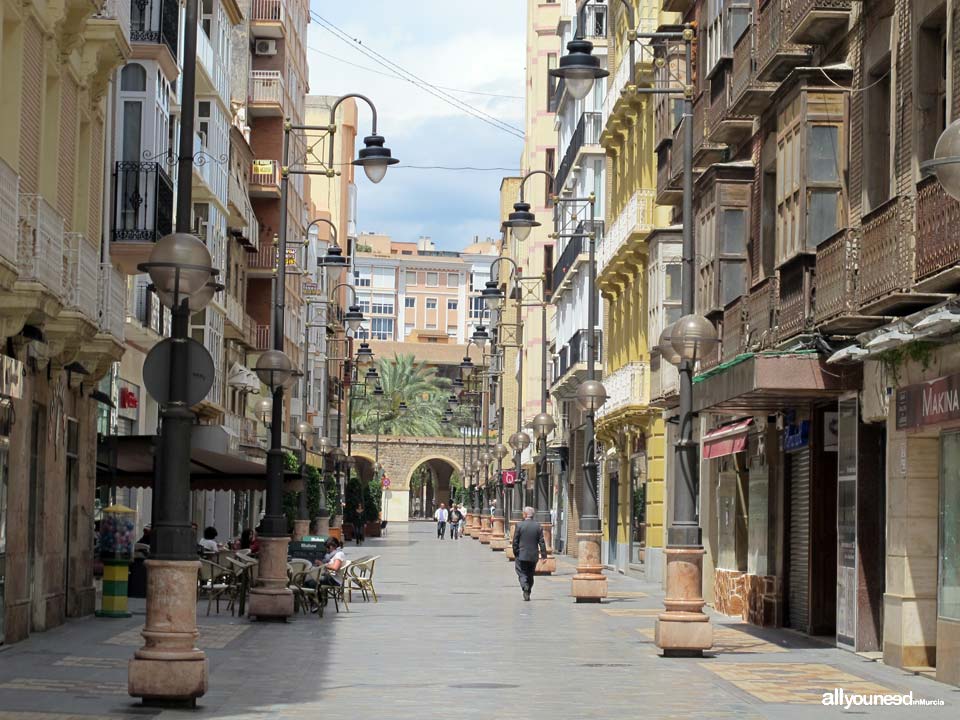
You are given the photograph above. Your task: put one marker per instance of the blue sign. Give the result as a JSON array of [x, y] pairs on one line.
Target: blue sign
[[796, 437]]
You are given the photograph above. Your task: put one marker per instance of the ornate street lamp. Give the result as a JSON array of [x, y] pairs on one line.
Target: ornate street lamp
[[264, 411], [665, 344], [946, 160], [480, 336], [274, 370], [364, 355], [492, 295], [693, 338], [591, 395], [519, 441], [579, 68]]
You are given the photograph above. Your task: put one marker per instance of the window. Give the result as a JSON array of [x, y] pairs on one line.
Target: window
[[431, 303], [384, 277], [408, 329], [550, 165], [931, 48], [433, 279], [547, 271], [453, 280], [552, 82], [410, 302], [672, 275], [732, 247], [823, 183], [381, 328], [382, 305], [451, 304], [133, 78], [478, 309], [364, 304], [411, 278], [362, 277], [875, 151], [431, 326], [452, 331]]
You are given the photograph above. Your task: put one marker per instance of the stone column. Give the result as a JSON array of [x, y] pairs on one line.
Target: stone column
[[485, 528], [323, 525], [589, 584], [508, 550], [683, 629], [498, 541], [169, 666], [301, 528], [272, 599], [548, 566], [468, 525]]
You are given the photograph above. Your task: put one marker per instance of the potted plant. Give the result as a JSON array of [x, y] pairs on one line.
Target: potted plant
[[372, 501]]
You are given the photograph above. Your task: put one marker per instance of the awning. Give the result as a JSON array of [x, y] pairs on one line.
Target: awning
[[726, 440], [215, 462], [765, 382]]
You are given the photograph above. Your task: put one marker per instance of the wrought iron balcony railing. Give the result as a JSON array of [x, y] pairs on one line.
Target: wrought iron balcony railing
[[81, 260], [627, 385], [734, 329], [587, 132], [143, 201], [776, 56], [40, 247], [762, 315], [155, 21], [885, 265], [576, 246], [938, 217], [837, 276]]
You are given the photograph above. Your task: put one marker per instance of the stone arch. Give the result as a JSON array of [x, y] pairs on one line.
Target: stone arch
[[427, 499]]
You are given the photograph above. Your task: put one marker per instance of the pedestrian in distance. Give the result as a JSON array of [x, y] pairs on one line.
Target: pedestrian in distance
[[441, 516], [463, 521], [528, 547], [454, 522]]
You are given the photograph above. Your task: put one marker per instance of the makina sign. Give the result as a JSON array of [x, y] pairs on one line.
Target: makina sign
[[929, 403]]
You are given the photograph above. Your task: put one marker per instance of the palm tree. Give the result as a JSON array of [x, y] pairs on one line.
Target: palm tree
[[404, 380]]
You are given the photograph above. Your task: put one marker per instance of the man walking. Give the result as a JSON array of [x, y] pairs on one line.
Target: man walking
[[441, 516], [528, 546]]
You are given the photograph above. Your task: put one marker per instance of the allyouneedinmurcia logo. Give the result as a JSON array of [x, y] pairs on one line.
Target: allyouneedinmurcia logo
[[840, 698]]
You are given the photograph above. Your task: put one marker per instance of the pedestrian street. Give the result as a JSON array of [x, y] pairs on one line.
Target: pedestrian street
[[452, 637]]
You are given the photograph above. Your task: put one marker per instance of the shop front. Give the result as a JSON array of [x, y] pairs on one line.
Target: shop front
[[922, 600]]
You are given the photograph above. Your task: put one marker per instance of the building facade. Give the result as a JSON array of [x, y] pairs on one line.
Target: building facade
[[62, 300], [827, 496]]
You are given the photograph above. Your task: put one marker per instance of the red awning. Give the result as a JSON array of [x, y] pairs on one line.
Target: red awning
[[726, 440]]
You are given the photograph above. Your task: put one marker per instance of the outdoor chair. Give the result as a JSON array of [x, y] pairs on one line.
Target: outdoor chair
[[244, 572], [216, 582], [305, 597], [335, 591], [360, 577], [297, 565]]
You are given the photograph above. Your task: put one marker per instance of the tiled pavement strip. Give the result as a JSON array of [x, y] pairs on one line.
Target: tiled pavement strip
[[452, 638]]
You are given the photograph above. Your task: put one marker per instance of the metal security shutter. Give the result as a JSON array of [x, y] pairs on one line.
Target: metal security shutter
[[798, 588]]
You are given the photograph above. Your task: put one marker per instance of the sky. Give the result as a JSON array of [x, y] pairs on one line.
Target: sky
[[452, 44]]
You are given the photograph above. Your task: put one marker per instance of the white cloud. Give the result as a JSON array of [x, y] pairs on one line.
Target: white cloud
[[450, 43]]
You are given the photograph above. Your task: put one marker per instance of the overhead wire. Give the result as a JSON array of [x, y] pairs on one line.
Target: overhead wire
[[398, 77], [415, 79]]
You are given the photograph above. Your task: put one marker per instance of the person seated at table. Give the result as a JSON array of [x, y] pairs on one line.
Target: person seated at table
[[145, 537], [248, 541], [331, 563], [209, 545]]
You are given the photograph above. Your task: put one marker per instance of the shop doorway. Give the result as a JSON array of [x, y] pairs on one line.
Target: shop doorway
[[638, 507], [612, 516]]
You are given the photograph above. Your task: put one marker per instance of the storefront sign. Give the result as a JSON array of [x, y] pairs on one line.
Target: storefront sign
[[509, 477], [796, 437], [929, 403]]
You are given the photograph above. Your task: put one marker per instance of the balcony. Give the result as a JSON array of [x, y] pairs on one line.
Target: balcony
[[40, 248], [116, 12], [733, 341], [148, 320], [938, 252], [627, 386], [156, 22], [796, 298], [723, 125], [836, 302], [587, 132], [571, 362], [575, 253], [266, 94], [815, 22], [669, 186], [262, 337], [9, 224], [111, 302], [886, 262], [748, 94], [664, 381], [635, 218], [676, 154], [265, 179], [594, 21], [264, 260], [81, 261], [267, 19], [705, 151], [776, 55], [143, 211], [762, 315], [214, 77]]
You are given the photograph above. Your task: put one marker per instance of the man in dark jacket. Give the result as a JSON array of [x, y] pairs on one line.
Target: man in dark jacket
[[528, 546]]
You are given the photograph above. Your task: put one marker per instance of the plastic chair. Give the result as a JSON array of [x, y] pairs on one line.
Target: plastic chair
[[335, 591], [360, 576], [217, 581]]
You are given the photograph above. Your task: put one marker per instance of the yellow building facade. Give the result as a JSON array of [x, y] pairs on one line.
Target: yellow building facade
[[630, 426]]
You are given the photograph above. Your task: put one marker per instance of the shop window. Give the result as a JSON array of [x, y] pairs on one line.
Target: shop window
[[948, 591]]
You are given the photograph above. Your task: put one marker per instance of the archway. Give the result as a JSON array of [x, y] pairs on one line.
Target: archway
[[430, 483]]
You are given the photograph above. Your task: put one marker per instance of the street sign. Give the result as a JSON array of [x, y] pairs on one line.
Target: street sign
[[509, 477], [156, 371]]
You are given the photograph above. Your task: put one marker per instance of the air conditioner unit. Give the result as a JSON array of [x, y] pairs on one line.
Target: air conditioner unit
[[265, 47]]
